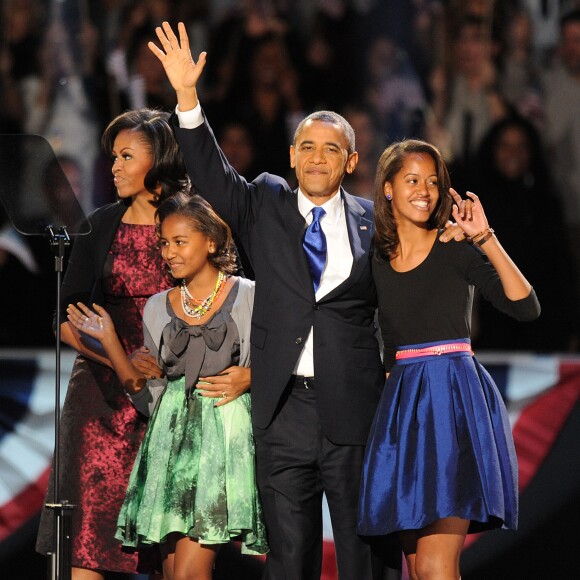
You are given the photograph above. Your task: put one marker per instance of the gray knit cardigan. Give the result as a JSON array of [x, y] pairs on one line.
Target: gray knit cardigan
[[155, 318]]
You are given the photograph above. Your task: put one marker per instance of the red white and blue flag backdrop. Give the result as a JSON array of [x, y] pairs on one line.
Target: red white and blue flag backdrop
[[542, 393]]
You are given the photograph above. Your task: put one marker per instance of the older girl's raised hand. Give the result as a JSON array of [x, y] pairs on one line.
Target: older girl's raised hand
[[468, 213]]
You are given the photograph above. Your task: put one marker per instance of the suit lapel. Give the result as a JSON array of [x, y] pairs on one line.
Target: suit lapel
[[360, 231]]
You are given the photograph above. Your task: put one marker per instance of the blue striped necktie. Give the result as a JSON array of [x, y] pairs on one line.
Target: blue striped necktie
[[315, 246]]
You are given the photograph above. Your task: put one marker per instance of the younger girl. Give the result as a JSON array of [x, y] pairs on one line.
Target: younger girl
[[192, 487], [440, 460]]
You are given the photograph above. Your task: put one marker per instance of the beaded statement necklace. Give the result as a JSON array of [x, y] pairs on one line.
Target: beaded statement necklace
[[196, 308]]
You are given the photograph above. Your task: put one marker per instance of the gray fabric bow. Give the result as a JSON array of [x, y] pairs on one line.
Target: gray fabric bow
[[181, 358], [213, 337]]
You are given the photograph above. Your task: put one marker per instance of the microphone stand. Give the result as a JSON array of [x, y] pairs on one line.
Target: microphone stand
[[60, 559], [33, 174]]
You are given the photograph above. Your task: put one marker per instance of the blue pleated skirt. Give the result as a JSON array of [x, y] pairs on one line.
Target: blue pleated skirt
[[440, 446]]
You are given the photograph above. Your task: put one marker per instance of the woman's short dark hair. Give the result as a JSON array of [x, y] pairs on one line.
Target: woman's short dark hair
[[168, 170], [204, 220], [390, 163]]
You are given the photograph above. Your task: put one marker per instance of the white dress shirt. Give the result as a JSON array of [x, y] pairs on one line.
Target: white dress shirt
[[338, 262], [190, 119]]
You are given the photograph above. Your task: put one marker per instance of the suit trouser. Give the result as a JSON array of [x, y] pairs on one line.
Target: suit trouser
[[296, 463]]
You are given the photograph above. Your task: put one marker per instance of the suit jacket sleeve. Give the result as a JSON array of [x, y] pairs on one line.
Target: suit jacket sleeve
[[233, 197]]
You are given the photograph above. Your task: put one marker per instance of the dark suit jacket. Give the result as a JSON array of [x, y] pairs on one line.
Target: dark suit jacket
[[264, 214]]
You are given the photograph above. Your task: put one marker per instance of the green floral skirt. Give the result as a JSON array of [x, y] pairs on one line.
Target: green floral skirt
[[194, 474]]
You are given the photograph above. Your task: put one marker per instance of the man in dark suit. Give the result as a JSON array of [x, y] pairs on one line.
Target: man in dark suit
[[316, 370]]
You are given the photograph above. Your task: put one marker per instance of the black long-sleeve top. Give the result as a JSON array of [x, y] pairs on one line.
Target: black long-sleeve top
[[433, 301]]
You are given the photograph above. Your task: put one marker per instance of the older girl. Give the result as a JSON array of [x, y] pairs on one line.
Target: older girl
[[440, 460]]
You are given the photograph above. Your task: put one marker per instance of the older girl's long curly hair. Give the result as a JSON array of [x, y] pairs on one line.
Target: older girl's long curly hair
[[390, 163]]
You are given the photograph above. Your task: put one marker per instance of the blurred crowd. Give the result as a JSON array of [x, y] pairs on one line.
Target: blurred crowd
[[494, 84]]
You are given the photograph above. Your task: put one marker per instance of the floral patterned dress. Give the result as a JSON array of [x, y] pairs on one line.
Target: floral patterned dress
[[100, 429]]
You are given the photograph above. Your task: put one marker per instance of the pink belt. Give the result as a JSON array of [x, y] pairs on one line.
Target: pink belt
[[434, 350]]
